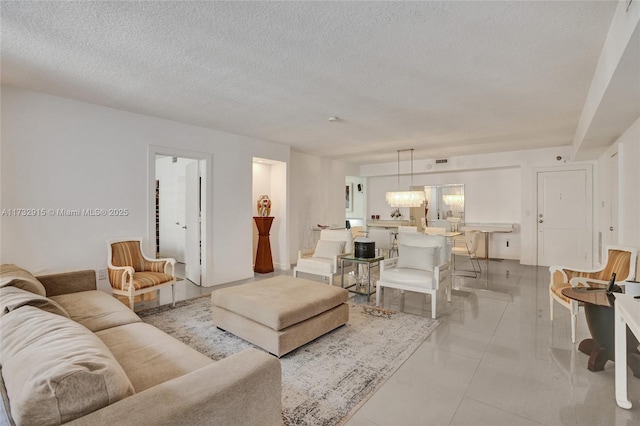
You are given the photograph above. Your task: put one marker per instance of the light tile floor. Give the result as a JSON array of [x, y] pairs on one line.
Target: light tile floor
[[496, 359]]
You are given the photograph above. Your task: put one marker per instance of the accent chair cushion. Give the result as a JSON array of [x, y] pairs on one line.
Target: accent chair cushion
[[422, 258], [406, 276], [149, 279], [12, 298], [12, 275], [77, 376], [338, 235], [329, 249], [316, 266]]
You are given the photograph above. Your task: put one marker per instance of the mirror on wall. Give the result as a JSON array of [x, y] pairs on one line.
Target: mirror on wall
[[445, 202]]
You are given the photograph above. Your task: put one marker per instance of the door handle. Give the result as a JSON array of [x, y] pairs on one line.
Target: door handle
[[611, 228], [184, 227], [540, 221]]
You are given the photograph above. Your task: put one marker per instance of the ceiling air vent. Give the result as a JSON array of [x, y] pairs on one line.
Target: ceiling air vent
[[442, 161]]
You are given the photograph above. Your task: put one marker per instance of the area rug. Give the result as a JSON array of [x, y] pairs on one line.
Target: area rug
[[325, 381]]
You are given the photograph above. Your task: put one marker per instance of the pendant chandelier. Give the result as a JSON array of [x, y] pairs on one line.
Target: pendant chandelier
[[405, 198]]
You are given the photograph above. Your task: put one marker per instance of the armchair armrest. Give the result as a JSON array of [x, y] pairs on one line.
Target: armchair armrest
[[562, 274], [337, 259], [119, 276], [388, 263], [164, 265], [441, 270], [586, 282], [305, 253], [243, 389], [340, 256]]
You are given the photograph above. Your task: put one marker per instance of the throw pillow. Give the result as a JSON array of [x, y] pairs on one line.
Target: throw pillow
[[15, 276], [328, 249], [423, 258], [12, 298], [55, 370]]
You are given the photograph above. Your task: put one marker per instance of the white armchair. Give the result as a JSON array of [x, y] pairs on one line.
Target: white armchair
[[422, 265], [324, 259]]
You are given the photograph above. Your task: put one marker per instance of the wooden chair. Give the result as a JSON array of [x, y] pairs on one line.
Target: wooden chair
[[131, 273], [621, 260]]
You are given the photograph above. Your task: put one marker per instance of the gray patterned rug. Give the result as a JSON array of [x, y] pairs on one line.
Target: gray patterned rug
[[323, 382]]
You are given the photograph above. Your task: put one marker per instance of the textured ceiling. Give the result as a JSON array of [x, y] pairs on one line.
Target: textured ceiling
[[446, 78]]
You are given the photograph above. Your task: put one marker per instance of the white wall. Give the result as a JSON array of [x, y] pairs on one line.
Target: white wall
[[628, 146], [629, 178], [499, 188], [59, 153], [491, 196], [317, 197]]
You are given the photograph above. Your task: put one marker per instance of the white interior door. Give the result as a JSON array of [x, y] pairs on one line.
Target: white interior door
[[564, 218], [192, 253]]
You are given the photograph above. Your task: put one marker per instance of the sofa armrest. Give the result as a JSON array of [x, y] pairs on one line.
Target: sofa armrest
[[68, 282], [243, 389]]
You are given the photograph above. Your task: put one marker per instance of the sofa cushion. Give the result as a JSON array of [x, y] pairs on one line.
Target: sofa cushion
[[96, 310], [423, 258], [328, 249], [150, 356], [12, 298], [55, 370], [12, 275]]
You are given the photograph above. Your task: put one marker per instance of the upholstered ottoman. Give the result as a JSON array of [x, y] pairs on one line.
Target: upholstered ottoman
[[280, 314]]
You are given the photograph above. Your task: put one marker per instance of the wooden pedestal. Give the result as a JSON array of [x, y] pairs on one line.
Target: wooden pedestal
[[264, 262]]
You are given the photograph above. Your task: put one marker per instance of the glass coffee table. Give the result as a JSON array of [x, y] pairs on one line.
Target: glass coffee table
[[365, 262]]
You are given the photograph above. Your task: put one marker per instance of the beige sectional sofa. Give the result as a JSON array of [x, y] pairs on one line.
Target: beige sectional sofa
[[71, 354]]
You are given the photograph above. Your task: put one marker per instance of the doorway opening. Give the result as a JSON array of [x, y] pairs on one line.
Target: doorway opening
[[179, 210]]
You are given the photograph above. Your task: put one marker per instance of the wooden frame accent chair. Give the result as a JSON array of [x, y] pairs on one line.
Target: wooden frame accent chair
[[620, 259], [131, 273]]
